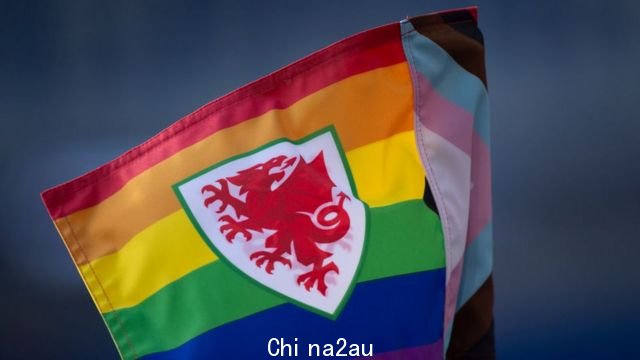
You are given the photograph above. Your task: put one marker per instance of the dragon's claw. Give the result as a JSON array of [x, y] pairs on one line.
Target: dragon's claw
[[316, 276], [221, 194], [232, 228], [270, 259]]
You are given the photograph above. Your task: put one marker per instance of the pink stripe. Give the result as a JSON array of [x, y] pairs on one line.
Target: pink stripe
[[425, 352], [456, 126], [480, 208], [443, 117]]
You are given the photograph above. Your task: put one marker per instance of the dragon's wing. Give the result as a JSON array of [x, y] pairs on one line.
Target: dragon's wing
[[308, 186]]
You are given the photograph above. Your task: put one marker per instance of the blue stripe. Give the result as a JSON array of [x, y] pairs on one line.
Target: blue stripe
[[450, 79], [390, 313]]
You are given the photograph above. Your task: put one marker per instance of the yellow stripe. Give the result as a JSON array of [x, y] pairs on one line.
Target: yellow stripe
[[155, 257], [388, 171], [86, 273], [364, 108], [385, 172]]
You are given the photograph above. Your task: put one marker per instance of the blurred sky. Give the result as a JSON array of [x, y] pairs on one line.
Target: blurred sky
[[83, 81]]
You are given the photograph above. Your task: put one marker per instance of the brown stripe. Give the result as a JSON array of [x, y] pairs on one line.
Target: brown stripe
[[472, 324], [461, 44], [485, 349]]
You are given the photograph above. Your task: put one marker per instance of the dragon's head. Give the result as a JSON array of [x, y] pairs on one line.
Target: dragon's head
[[262, 175]]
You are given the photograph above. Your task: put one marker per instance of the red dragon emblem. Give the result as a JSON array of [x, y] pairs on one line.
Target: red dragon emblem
[[299, 211]]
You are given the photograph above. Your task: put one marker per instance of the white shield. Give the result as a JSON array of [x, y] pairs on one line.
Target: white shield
[[238, 213]]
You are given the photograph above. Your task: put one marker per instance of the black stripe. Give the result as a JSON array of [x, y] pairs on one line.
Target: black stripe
[[463, 22], [428, 199], [461, 40]]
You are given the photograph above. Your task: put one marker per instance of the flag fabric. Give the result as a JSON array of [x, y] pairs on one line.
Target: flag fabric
[[342, 200]]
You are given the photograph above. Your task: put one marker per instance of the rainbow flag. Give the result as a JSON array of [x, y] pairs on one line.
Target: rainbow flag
[[340, 205]]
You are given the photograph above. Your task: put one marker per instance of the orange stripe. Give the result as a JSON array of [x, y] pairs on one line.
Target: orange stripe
[[357, 54], [363, 108]]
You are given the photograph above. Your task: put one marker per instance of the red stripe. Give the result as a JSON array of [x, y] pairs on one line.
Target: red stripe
[[474, 12], [362, 52]]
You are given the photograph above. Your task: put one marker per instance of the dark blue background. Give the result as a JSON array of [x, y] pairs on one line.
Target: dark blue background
[[82, 81]]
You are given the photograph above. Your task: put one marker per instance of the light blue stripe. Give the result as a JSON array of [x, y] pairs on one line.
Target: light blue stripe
[[447, 336], [478, 262], [481, 120], [447, 77], [466, 91]]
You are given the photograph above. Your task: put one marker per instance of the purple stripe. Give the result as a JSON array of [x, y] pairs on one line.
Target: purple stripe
[[425, 352]]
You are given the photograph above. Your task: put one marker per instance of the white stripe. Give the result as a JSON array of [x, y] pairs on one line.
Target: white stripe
[[448, 174]]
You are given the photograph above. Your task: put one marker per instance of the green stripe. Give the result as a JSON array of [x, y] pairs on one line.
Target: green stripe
[[404, 238]]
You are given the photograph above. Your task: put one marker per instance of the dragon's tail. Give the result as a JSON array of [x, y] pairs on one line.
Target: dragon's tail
[[332, 219]]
